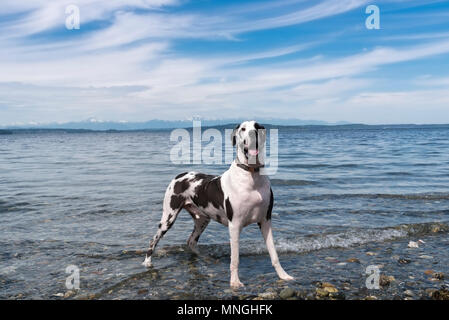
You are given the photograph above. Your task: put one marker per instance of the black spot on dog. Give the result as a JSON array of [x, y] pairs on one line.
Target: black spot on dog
[[197, 237], [208, 191], [233, 138], [181, 186], [229, 211], [160, 225], [203, 176], [218, 218], [176, 201], [270, 207], [258, 126], [180, 175], [260, 226]]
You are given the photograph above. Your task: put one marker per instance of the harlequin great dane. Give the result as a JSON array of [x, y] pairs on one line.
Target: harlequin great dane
[[241, 196]]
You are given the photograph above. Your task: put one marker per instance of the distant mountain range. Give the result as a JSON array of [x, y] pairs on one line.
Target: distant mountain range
[[94, 124]]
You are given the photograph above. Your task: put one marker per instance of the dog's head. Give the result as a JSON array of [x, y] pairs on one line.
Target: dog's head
[[249, 138]]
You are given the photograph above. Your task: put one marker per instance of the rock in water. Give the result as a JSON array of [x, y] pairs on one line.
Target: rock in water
[[321, 293], [385, 280], [287, 293], [438, 275], [409, 293], [413, 244], [442, 294]]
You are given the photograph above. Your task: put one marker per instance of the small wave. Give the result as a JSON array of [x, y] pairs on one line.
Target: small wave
[[319, 165], [414, 196], [289, 182], [6, 206], [316, 242], [398, 173], [357, 237]]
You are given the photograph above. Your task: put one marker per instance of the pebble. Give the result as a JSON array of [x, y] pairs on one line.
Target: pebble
[[326, 287], [413, 244], [68, 294], [331, 289], [409, 293], [268, 295], [442, 294], [286, 293], [425, 257], [370, 298], [353, 260], [370, 253], [429, 272], [385, 280], [438, 275], [59, 294], [337, 296], [142, 291], [430, 292], [321, 292], [404, 261], [436, 229]]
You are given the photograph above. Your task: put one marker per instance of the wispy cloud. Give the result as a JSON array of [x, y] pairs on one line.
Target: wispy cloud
[[143, 59]]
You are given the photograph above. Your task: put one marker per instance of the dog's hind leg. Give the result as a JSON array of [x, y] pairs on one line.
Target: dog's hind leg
[[201, 221], [172, 206]]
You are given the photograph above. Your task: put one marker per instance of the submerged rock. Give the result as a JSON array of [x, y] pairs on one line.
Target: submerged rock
[[385, 280], [442, 294], [268, 295], [409, 293], [404, 261], [325, 289], [321, 292], [413, 244], [438, 275], [287, 293]]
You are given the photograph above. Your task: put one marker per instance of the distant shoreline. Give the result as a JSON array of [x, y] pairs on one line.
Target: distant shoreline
[[12, 130]]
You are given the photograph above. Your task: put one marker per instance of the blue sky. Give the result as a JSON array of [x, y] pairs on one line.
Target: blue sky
[[137, 60]]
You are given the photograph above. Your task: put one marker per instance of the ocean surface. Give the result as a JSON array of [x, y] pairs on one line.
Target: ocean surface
[[94, 199]]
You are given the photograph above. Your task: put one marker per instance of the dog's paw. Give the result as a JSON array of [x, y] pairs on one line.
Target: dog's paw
[[147, 262], [236, 284], [286, 277]]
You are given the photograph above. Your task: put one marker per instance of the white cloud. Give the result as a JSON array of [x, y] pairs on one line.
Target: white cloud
[[132, 69]]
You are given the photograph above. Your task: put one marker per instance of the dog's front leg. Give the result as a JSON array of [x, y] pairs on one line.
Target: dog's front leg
[[234, 232], [265, 227]]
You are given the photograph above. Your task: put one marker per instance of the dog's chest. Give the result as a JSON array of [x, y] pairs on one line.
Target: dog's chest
[[250, 205]]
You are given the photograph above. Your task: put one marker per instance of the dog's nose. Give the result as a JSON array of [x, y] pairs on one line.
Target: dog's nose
[[253, 139]]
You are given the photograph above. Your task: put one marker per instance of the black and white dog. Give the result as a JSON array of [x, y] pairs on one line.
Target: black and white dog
[[239, 197]]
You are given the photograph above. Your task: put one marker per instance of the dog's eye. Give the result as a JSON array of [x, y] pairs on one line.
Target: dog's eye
[[243, 129]]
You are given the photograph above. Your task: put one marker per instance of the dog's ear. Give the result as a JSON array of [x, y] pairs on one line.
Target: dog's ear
[[234, 132], [257, 126], [260, 129]]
